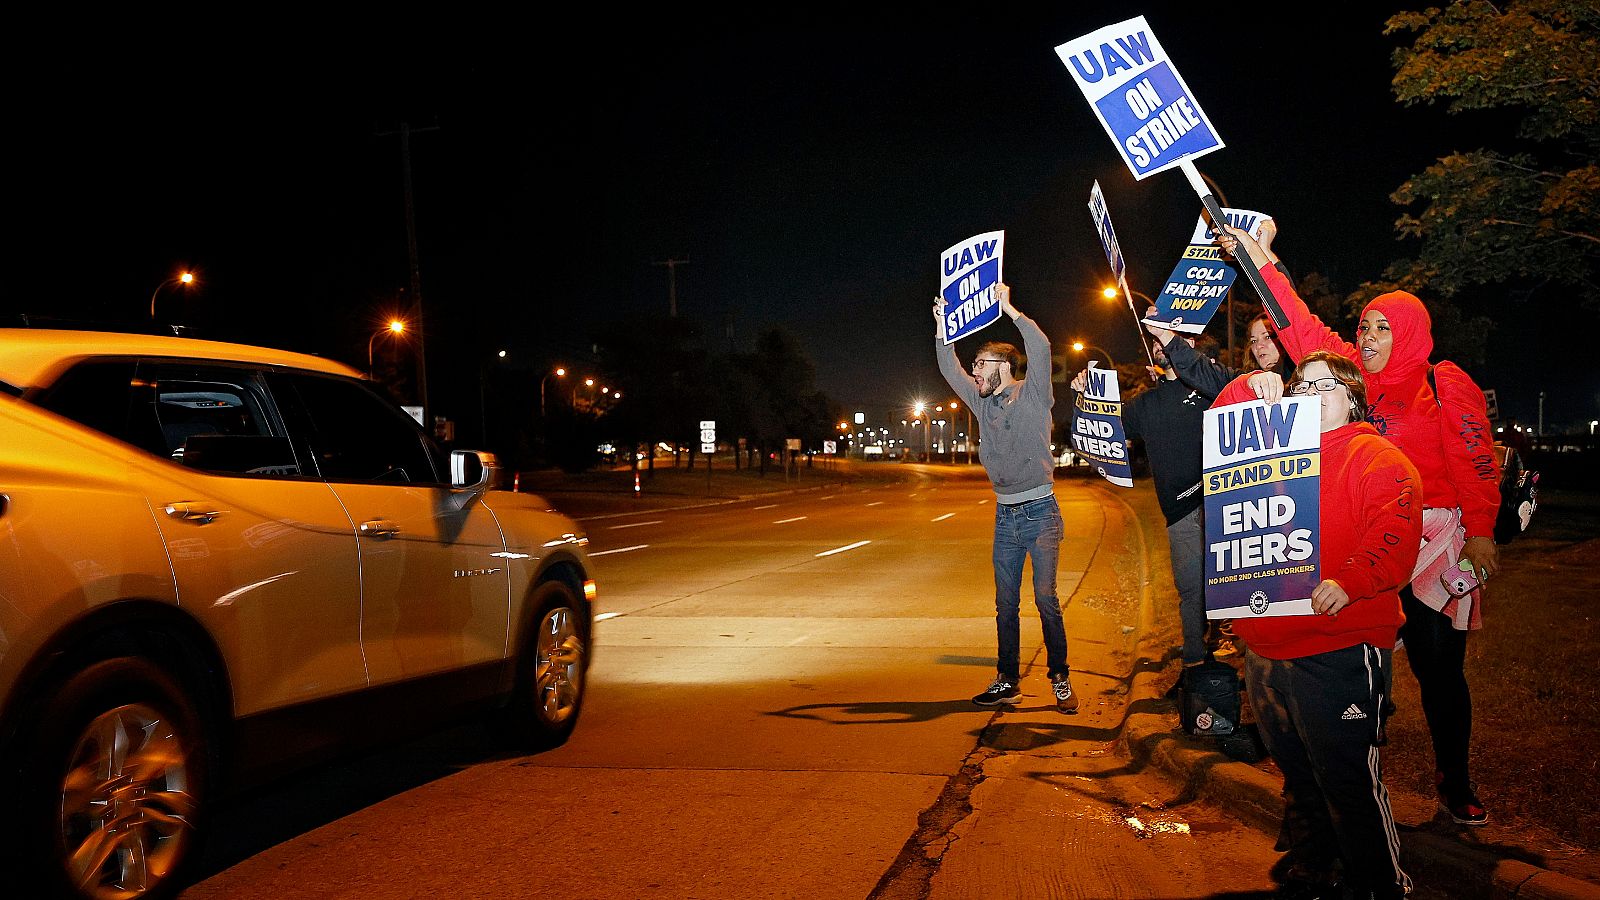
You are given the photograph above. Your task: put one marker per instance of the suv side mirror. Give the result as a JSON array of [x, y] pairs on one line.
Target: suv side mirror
[[472, 473]]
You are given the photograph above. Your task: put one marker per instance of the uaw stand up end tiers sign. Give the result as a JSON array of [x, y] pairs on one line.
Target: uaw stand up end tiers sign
[[1262, 508]]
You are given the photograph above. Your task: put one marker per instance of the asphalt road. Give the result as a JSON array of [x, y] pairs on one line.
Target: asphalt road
[[780, 691]]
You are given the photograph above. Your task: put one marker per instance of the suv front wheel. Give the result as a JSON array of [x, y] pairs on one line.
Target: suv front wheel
[[117, 782], [551, 670]]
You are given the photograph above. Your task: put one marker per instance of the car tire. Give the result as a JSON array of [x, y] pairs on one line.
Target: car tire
[[115, 787], [552, 670]]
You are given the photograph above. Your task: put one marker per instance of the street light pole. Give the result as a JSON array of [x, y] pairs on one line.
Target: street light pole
[[395, 327], [185, 278], [559, 373]]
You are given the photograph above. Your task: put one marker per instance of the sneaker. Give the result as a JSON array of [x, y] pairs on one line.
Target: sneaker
[[1001, 693], [1461, 803], [1066, 701]]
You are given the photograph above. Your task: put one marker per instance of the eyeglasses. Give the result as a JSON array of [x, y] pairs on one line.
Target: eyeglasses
[[980, 363], [1321, 385]]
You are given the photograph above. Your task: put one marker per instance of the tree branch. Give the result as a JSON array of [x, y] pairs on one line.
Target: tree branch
[[1582, 237]]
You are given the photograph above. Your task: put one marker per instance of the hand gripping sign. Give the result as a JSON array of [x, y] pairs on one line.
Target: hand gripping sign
[[1262, 507], [969, 278], [1201, 280], [1097, 427]]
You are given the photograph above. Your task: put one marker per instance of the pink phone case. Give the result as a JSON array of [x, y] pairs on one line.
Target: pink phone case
[[1460, 579]]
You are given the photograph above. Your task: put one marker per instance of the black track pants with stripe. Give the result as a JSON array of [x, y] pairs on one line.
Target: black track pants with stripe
[[1319, 716]]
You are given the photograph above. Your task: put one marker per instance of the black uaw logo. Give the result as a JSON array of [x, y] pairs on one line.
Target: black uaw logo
[[1258, 602]]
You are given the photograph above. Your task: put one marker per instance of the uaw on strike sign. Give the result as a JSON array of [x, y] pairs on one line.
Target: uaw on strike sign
[[969, 281], [1262, 507], [1140, 98]]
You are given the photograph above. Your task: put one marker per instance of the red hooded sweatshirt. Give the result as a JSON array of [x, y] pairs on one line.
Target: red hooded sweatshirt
[[1371, 529], [1452, 447]]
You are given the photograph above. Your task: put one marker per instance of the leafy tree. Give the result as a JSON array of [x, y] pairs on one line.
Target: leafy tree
[[1493, 215]]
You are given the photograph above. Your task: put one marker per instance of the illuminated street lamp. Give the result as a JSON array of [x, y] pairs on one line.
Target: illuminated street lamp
[[560, 372], [1080, 347], [183, 278], [395, 327]]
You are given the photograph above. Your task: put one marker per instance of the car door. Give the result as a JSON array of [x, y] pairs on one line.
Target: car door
[[263, 554], [434, 590]]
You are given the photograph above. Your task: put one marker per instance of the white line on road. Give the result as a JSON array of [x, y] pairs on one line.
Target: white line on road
[[829, 497], [786, 521], [768, 506], [843, 549], [619, 550], [635, 524], [604, 616], [982, 502], [943, 517], [876, 503]]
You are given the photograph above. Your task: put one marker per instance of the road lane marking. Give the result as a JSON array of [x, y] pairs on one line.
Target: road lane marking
[[843, 549], [983, 501], [604, 616], [768, 506], [634, 524], [829, 497], [786, 521], [943, 517], [619, 550], [876, 503]]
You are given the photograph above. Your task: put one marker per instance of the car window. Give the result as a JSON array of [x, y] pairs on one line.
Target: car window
[[351, 433], [208, 417]]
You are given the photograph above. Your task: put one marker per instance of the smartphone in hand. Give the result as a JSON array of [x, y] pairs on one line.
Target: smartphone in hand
[[1460, 579]]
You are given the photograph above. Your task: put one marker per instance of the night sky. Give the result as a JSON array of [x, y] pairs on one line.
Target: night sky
[[811, 170]]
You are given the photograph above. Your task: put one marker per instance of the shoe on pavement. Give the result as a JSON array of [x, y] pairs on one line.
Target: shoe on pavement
[[1001, 693], [1461, 803], [1066, 700]]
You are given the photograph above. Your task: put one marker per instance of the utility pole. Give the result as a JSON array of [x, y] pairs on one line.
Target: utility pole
[[672, 282], [405, 131]]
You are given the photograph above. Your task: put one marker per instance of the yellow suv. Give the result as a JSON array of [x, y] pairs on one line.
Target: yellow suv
[[220, 562]]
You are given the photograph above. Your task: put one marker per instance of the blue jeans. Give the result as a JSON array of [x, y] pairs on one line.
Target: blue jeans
[[1031, 528]]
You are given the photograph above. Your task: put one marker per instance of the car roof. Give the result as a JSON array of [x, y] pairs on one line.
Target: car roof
[[31, 357]]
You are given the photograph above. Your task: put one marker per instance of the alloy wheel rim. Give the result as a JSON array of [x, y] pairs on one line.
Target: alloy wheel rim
[[558, 666], [127, 806]]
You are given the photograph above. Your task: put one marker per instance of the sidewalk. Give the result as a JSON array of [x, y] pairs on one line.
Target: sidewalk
[[1138, 611], [1492, 861]]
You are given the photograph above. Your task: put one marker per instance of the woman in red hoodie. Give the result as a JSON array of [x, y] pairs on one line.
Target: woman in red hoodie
[[1437, 416], [1318, 682]]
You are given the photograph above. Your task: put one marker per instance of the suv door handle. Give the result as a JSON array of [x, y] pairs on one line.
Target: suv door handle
[[190, 511], [379, 528]]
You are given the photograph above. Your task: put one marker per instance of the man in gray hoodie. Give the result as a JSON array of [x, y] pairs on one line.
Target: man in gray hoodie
[[1013, 415]]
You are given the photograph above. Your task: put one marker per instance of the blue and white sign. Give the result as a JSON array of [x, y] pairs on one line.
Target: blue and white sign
[[1262, 507], [1142, 101], [1194, 291], [1108, 235], [1199, 283], [1097, 432], [969, 280]]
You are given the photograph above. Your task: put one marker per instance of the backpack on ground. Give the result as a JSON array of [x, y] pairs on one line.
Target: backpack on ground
[[1210, 699]]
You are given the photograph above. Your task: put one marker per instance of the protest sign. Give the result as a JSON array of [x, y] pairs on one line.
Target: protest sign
[[1140, 99], [969, 277], [1262, 507], [1097, 427], [1108, 235], [1199, 283]]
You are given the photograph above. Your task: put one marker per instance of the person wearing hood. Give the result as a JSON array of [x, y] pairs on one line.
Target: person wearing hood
[[1318, 682], [1437, 416]]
